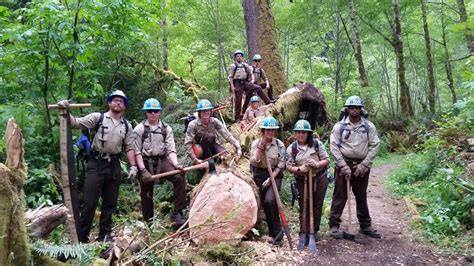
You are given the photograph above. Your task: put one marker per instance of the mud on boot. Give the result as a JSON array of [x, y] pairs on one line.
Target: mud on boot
[[370, 232], [178, 218], [336, 233]]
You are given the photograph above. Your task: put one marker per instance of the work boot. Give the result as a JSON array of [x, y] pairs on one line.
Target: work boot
[[336, 233], [107, 237], [278, 239], [178, 218], [370, 232]]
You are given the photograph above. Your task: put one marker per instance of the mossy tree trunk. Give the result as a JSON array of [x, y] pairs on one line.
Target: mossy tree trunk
[[14, 248]]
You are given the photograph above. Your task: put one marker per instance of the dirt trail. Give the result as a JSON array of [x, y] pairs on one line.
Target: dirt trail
[[389, 217]]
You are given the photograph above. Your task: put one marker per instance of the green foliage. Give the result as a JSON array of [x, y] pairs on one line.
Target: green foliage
[[82, 253]]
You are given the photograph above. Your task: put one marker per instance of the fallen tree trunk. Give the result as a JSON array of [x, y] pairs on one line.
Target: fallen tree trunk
[[14, 248], [41, 222]]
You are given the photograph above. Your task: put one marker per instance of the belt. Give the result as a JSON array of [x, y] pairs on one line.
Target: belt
[[318, 173], [352, 163], [104, 156], [155, 157]]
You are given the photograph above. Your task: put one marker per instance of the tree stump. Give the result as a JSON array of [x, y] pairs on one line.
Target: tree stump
[[14, 247]]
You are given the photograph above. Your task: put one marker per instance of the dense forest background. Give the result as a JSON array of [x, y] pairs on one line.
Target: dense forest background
[[410, 61]]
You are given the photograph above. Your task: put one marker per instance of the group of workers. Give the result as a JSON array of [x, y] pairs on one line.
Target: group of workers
[[150, 150]]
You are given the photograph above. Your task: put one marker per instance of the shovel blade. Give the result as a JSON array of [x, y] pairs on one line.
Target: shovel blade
[[288, 235], [312, 243], [301, 242]]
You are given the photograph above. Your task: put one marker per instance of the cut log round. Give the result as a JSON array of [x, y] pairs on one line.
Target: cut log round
[[226, 198], [41, 222]]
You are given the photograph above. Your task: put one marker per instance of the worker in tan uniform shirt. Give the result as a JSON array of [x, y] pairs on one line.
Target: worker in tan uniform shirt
[[269, 146], [304, 153], [202, 132], [254, 111], [156, 153], [354, 144], [114, 135]]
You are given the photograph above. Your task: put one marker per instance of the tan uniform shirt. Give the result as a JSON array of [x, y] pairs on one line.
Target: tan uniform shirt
[[241, 72], [259, 75], [214, 126], [356, 144], [250, 114], [275, 151], [305, 155], [155, 144], [110, 137]]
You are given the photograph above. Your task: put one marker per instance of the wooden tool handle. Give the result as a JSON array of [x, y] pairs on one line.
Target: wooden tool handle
[[174, 172], [72, 105]]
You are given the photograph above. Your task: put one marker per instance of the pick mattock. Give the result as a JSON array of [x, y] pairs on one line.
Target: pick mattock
[[304, 233], [312, 240], [281, 212], [349, 235], [68, 174]]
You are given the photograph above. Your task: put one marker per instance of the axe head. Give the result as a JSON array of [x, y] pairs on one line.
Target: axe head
[[212, 166]]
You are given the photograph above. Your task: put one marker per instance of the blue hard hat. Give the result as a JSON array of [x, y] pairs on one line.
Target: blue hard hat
[[204, 105], [118, 93], [269, 122], [302, 125], [151, 104], [255, 98]]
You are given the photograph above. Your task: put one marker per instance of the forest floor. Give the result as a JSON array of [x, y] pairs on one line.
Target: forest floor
[[389, 216]]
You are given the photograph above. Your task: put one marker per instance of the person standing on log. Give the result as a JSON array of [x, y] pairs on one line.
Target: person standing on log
[[201, 141], [241, 80], [259, 78], [354, 144], [113, 134], [156, 153], [269, 146], [304, 153]]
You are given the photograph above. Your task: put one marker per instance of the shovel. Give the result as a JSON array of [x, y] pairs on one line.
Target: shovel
[[302, 241], [281, 212], [312, 240]]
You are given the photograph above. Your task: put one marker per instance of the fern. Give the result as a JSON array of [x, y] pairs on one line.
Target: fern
[[81, 252]]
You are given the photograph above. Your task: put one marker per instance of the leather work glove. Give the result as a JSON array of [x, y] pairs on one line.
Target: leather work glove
[[361, 170], [63, 104], [266, 183], [346, 172], [132, 173], [313, 163], [146, 176]]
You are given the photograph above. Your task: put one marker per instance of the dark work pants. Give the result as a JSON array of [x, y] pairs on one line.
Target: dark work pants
[[208, 144], [267, 198], [320, 185], [249, 95], [102, 179], [156, 166], [339, 198], [242, 86]]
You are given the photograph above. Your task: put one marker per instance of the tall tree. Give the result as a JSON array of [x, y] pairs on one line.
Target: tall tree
[[429, 61], [164, 28], [405, 98], [467, 29], [447, 62], [267, 41], [357, 47], [220, 50]]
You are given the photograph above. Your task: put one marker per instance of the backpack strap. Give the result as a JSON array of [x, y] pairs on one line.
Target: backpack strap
[[245, 66], [365, 124], [98, 126], [294, 149], [125, 122], [147, 131]]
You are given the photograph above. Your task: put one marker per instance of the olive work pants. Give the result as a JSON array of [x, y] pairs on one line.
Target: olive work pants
[[102, 180], [320, 185], [249, 95], [242, 86], [268, 200], [359, 188], [208, 143], [156, 165]]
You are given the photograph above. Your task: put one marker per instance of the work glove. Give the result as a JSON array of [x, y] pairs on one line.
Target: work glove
[[63, 104], [313, 163], [266, 183], [146, 176], [361, 170], [132, 173], [346, 172], [239, 152]]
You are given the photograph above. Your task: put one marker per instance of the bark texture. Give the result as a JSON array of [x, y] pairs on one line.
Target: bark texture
[[405, 98], [364, 81], [467, 29], [251, 16], [14, 248], [429, 61]]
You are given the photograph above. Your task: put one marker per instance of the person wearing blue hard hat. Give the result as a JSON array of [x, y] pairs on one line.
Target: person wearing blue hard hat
[[112, 135], [201, 135], [268, 146], [156, 153], [253, 111]]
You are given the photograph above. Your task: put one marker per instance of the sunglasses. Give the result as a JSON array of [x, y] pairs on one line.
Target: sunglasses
[[257, 60], [152, 111]]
